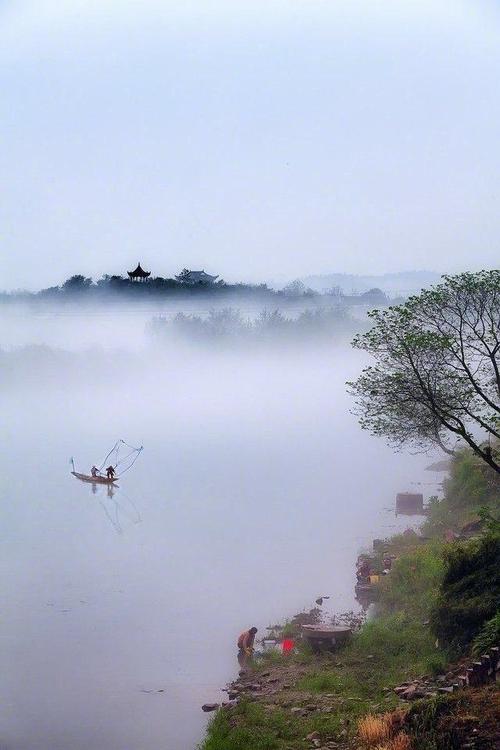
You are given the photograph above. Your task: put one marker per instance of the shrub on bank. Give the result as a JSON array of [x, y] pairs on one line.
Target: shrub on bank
[[413, 582], [470, 486], [488, 636], [470, 592]]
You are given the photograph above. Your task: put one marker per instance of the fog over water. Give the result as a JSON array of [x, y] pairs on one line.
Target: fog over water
[[254, 494]]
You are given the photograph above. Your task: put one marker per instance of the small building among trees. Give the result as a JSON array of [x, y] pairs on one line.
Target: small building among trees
[[195, 277], [139, 274]]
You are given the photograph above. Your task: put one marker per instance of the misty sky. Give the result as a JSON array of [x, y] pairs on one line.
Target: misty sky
[[254, 139]]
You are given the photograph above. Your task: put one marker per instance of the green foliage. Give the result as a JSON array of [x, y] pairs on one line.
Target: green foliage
[[488, 636], [468, 718], [436, 664], [396, 636], [323, 682], [424, 721], [249, 726], [491, 522], [467, 486], [470, 592], [456, 585], [413, 582], [435, 379], [471, 491], [384, 652], [76, 284], [289, 630]]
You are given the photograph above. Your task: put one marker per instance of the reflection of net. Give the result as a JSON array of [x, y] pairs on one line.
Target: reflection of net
[[119, 508], [123, 456]]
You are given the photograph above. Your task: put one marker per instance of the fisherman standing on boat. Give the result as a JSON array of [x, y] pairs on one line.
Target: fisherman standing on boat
[[110, 472], [94, 471]]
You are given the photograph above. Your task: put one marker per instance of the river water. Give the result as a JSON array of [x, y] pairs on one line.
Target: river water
[[254, 494]]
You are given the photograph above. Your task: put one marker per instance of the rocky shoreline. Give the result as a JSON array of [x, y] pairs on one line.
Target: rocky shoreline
[[391, 680]]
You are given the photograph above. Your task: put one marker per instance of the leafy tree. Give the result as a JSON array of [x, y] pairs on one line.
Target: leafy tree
[[76, 283], [104, 280], [335, 291], [376, 296], [295, 288], [436, 378], [184, 275]]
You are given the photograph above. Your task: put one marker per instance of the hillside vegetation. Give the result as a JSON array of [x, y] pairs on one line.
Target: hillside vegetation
[[439, 604]]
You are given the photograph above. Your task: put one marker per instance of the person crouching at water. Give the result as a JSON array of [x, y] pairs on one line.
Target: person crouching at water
[[110, 472], [245, 646]]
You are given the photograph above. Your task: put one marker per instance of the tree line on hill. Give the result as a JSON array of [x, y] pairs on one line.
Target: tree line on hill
[[79, 288]]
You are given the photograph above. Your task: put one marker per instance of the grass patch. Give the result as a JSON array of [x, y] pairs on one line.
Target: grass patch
[[413, 583], [323, 682], [250, 725]]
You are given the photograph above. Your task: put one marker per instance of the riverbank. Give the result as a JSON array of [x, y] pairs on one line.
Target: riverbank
[[393, 685]]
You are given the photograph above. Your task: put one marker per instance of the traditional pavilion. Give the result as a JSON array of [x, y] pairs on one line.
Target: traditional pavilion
[[139, 274]]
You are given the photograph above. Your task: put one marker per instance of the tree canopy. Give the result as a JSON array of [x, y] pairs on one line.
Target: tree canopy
[[436, 377]]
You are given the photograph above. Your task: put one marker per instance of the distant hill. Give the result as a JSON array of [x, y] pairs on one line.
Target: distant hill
[[393, 284]]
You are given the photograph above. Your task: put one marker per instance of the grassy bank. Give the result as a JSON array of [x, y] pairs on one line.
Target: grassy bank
[[439, 599]]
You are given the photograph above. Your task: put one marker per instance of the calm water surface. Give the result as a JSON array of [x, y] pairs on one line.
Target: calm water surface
[[254, 494]]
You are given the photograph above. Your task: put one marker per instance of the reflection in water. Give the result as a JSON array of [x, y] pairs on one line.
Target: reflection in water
[[268, 507], [244, 658], [118, 507]]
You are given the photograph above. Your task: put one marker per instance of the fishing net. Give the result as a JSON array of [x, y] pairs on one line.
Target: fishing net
[[121, 457]]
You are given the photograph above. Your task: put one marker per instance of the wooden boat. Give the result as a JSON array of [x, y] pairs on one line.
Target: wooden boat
[[115, 459], [324, 637], [94, 480]]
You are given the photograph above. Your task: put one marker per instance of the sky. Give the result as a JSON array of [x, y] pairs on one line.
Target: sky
[[258, 140]]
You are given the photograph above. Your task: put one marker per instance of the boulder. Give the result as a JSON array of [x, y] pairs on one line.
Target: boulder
[[313, 736], [413, 693], [209, 707]]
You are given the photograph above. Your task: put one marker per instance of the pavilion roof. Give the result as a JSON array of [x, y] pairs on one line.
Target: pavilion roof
[[195, 276], [139, 272]]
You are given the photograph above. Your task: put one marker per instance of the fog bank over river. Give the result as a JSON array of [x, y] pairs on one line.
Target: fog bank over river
[[254, 493]]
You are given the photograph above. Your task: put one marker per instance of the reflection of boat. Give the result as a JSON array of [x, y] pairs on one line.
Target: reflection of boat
[[94, 480], [366, 593], [410, 503], [120, 509]]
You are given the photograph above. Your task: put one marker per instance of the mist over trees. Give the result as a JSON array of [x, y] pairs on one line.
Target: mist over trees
[[188, 284], [230, 326], [436, 378]]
